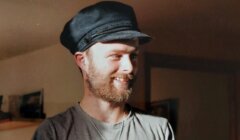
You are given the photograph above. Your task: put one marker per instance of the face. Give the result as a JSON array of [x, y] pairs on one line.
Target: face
[[111, 70]]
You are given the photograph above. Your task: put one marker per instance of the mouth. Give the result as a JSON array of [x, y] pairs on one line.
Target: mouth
[[124, 78], [123, 81]]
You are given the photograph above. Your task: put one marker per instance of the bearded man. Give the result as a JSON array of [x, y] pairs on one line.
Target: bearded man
[[104, 39]]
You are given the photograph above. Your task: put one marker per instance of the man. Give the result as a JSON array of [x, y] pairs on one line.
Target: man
[[104, 39]]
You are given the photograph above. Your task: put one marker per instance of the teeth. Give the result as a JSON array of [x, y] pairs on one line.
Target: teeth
[[121, 79]]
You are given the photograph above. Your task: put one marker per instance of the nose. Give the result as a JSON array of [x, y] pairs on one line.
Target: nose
[[126, 65]]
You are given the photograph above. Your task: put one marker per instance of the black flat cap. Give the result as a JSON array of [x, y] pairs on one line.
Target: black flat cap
[[101, 22]]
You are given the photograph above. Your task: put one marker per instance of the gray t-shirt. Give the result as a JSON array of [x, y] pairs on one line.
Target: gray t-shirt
[[75, 124]]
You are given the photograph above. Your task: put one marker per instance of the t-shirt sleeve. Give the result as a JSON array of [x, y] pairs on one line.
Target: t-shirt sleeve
[[45, 131], [169, 135]]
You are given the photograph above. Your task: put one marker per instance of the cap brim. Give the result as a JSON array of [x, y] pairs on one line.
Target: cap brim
[[121, 35]]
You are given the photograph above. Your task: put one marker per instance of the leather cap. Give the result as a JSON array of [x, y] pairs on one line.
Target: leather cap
[[101, 22]]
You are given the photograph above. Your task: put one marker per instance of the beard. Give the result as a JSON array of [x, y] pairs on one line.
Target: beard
[[115, 88]]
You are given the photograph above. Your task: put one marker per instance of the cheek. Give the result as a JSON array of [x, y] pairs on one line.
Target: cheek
[[107, 67], [112, 67]]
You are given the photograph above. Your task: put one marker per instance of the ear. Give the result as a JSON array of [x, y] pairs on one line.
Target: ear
[[80, 59]]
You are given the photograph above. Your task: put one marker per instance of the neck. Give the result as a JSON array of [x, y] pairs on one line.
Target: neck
[[103, 110]]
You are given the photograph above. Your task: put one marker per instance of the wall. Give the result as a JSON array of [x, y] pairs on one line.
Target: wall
[[18, 134], [51, 69], [203, 101]]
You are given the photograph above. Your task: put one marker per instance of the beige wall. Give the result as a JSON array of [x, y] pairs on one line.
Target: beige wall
[[24, 133], [51, 69]]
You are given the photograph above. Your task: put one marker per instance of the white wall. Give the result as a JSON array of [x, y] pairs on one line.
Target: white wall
[[52, 69]]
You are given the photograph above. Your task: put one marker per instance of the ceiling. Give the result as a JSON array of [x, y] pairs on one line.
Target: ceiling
[[29, 25]]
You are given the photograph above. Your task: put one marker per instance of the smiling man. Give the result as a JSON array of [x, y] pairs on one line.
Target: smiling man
[[109, 70], [104, 39]]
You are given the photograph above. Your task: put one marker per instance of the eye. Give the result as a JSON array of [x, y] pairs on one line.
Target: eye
[[133, 56], [115, 56]]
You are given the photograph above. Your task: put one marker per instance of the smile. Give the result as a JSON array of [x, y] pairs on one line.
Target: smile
[[124, 80]]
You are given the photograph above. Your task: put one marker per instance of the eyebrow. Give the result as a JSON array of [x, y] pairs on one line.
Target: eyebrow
[[124, 50]]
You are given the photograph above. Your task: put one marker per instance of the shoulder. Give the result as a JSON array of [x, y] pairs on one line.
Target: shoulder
[[150, 120], [143, 115], [153, 125], [51, 126], [59, 120], [62, 118]]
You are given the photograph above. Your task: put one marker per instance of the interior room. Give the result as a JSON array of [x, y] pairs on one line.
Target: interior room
[[189, 72]]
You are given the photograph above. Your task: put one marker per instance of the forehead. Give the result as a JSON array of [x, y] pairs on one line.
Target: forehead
[[127, 46]]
